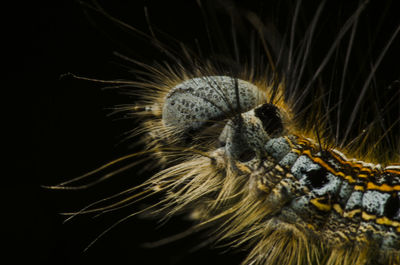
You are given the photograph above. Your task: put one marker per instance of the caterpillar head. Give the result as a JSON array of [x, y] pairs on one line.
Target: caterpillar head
[[243, 182]]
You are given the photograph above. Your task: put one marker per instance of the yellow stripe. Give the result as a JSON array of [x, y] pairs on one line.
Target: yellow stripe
[[383, 187], [358, 187], [357, 164], [350, 163], [327, 167], [393, 171], [346, 214], [321, 206], [367, 216], [352, 213], [387, 221], [296, 151], [289, 141], [338, 209]]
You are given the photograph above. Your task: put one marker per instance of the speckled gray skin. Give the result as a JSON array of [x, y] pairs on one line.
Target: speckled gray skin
[[189, 105]]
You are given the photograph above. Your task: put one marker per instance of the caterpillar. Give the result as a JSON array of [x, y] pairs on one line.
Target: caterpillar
[[284, 142]]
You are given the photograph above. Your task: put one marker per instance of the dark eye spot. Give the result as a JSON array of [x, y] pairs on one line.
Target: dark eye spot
[[317, 178], [247, 155], [270, 118], [221, 144], [392, 206]]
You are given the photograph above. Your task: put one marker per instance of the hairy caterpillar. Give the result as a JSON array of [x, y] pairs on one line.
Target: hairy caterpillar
[[261, 162]]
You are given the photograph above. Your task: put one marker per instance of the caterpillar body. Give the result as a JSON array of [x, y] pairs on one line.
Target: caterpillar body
[[259, 150], [278, 188]]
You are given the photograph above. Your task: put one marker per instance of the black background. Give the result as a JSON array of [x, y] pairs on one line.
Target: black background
[[64, 131]]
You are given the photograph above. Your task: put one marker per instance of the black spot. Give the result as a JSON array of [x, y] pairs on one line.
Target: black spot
[[246, 155], [270, 118], [317, 178], [392, 206], [221, 144]]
